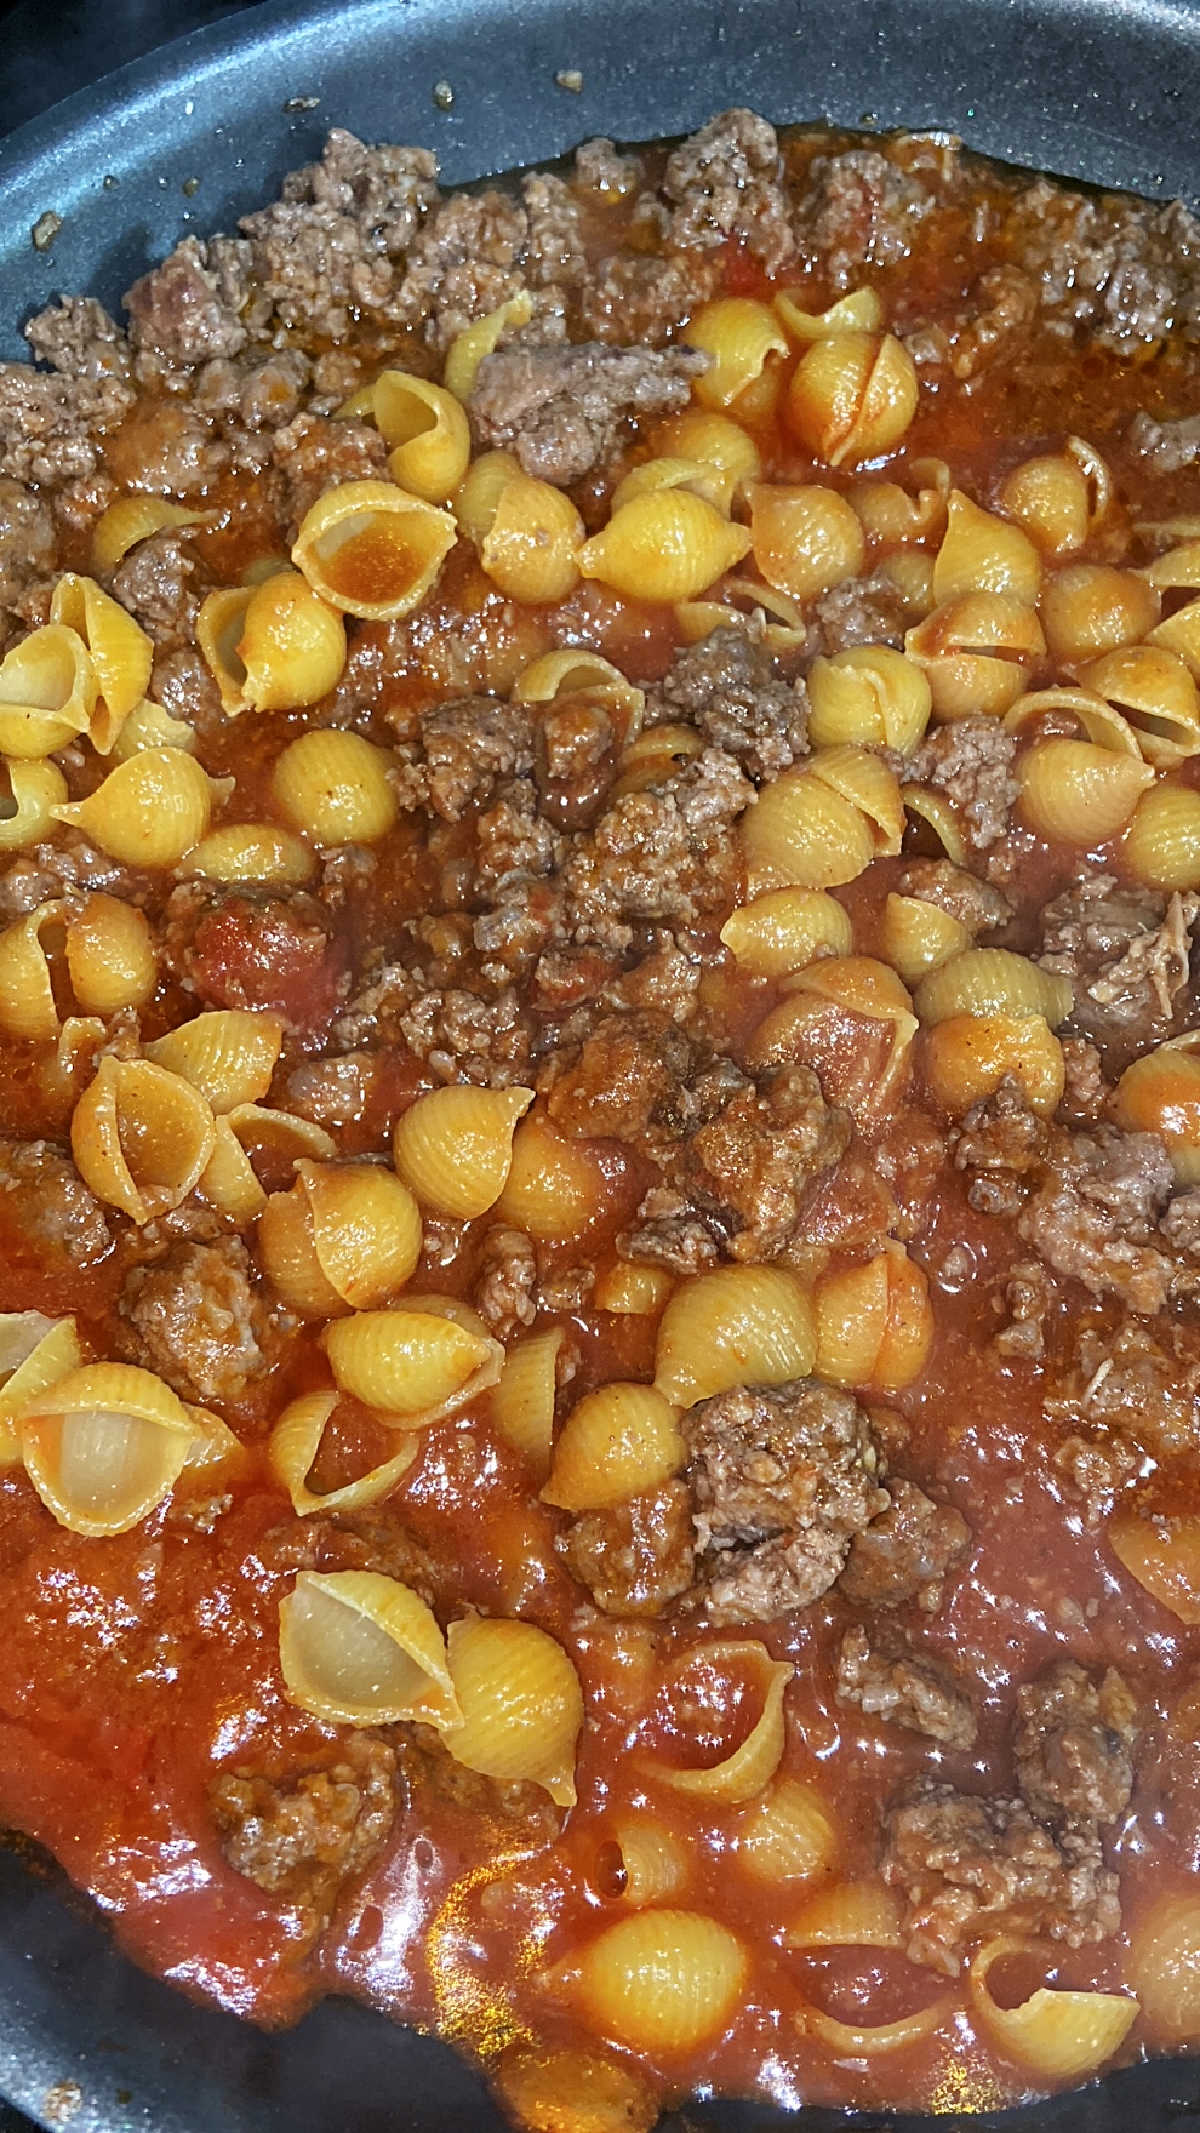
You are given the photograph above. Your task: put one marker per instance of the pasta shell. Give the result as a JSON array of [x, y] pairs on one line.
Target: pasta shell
[[453, 1148], [739, 335], [653, 1863], [1090, 608], [27, 1005], [571, 672], [936, 820], [229, 1181], [750, 1325], [104, 1445], [1075, 793], [35, 1352], [531, 548], [468, 348], [370, 549], [428, 430], [288, 1256], [669, 545], [976, 651], [252, 851], [292, 647], [414, 1365], [1096, 720], [746, 604], [131, 519], [1153, 689], [521, 1704], [810, 1024], [295, 1442], [853, 2040], [860, 311], [110, 955], [1180, 633], [524, 1399], [917, 937], [149, 811], [361, 1227], [742, 1775], [874, 1322], [477, 499], [1162, 844], [280, 1136], [673, 472], [968, 1056], [655, 756], [360, 1649], [121, 652], [1178, 570], [616, 1443], [36, 789], [219, 626], [1049, 496], [573, 2089], [851, 1914], [141, 1137], [992, 981], [894, 514], [788, 1835], [149, 726], [699, 433], [47, 692], [554, 1187], [663, 1981], [859, 777], [852, 396], [802, 834], [334, 787], [870, 695], [1164, 1964], [229, 1054], [632, 1289], [1160, 1093], [1061, 2035], [983, 553]]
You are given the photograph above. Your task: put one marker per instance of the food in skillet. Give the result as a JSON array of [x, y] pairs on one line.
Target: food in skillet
[[600, 1208]]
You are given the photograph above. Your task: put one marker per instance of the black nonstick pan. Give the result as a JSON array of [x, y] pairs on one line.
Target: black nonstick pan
[[197, 133]]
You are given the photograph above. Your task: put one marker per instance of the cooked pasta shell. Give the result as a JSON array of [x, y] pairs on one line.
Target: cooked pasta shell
[[850, 1914], [673, 472], [743, 1325], [295, 1442], [936, 819], [453, 1147], [788, 1835], [219, 626], [1096, 720], [524, 1399], [27, 1004], [554, 1187], [229, 1182], [663, 1981], [1180, 633], [413, 1365], [892, 514], [632, 1289], [214, 1448], [917, 937], [739, 335], [1050, 497], [334, 787], [784, 930], [370, 549], [468, 348], [228, 1053], [861, 778], [806, 538], [653, 1862], [1160, 1093], [35, 1352], [859, 311], [699, 433], [280, 1136], [852, 396], [802, 834], [983, 553], [361, 1226], [1060, 2035], [292, 646], [574, 2089], [521, 1704], [149, 811], [121, 652], [571, 672], [1153, 689], [131, 519], [976, 651], [669, 545], [149, 726], [104, 1445], [1162, 844], [110, 955], [288, 1256], [36, 789], [968, 1056], [616, 1443], [870, 695], [427, 428], [47, 692], [141, 1137], [1163, 1964], [992, 981], [655, 756], [874, 1323], [1178, 570], [811, 1021], [252, 851], [476, 500], [746, 604], [745, 1773], [360, 1649], [1090, 608], [854, 2040], [532, 547], [1075, 793]]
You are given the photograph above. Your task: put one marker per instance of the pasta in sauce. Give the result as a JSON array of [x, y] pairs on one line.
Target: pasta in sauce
[[599, 1238]]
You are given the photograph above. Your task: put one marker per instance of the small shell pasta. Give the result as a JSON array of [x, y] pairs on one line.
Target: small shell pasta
[[427, 429], [415, 1364], [1162, 844], [663, 1981], [104, 1445], [874, 1323], [870, 695], [111, 958], [917, 937], [740, 336], [788, 1835], [976, 652], [554, 1186], [785, 929], [346, 1237], [141, 1137], [524, 1398], [149, 811], [806, 539], [983, 553], [36, 790], [532, 548], [632, 1289], [292, 646], [750, 1325], [968, 1056], [334, 788], [743, 1774], [48, 692], [852, 396], [653, 1863], [121, 653], [149, 726], [252, 852], [617, 1442], [27, 1005], [370, 549], [360, 1649], [1090, 608], [453, 1147], [468, 348], [130, 519], [992, 981], [1164, 1968], [228, 1053], [667, 545], [295, 1443], [1153, 690], [521, 1703], [1079, 794], [1061, 2035], [35, 1352]]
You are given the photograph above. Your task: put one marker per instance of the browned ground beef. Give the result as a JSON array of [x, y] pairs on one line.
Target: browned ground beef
[[45, 1200], [975, 904], [1167, 447], [781, 1478], [1123, 270], [725, 686], [970, 761], [197, 1319], [566, 408], [1073, 1741], [506, 1281], [301, 1839], [638, 1556], [1126, 954], [884, 1679], [905, 1552], [725, 181]]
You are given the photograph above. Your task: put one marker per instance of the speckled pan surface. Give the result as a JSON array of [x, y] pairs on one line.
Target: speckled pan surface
[[194, 135]]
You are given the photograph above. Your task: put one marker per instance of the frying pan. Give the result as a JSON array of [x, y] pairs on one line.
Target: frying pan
[[193, 135]]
